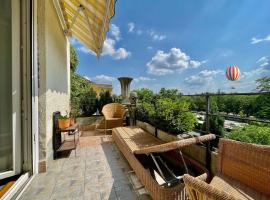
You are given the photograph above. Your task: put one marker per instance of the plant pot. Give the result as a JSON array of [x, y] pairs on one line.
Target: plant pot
[[72, 121], [63, 123], [167, 137]]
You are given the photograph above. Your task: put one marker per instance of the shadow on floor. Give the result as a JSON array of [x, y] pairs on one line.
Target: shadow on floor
[[98, 172]]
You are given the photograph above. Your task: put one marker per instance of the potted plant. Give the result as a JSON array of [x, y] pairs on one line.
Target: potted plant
[[63, 121], [73, 114]]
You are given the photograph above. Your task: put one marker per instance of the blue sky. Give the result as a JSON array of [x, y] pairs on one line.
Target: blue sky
[[183, 44]]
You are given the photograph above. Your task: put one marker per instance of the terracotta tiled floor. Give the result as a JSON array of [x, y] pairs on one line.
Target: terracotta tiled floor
[[98, 171]]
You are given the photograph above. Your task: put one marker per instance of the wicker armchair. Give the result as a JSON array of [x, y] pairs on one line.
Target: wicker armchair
[[114, 115], [243, 173]]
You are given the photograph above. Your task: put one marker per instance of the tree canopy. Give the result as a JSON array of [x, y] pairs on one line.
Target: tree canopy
[[74, 60], [263, 84]]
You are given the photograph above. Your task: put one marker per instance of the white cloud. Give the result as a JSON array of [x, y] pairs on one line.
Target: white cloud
[[167, 63], [143, 78], [262, 59], [152, 33], [195, 64], [156, 36], [85, 50], [203, 77], [131, 27], [109, 49], [255, 40], [263, 62], [252, 73], [149, 48], [115, 32], [109, 46], [86, 77], [104, 78]]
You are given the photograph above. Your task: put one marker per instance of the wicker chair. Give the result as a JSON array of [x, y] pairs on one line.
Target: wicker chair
[[114, 115], [243, 173]]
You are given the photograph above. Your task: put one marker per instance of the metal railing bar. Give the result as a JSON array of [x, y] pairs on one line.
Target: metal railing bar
[[226, 94]]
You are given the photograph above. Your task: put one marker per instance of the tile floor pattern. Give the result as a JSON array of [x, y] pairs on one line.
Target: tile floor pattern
[[97, 172]]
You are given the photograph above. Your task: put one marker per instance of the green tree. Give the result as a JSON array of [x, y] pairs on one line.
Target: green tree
[[83, 98], [74, 60], [117, 98], [173, 115], [104, 98], [146, 112], [145, 95], [251, 133], [197, 103], [168, 93], [88, 102], [263, 84], [262, 102], [216, 122]]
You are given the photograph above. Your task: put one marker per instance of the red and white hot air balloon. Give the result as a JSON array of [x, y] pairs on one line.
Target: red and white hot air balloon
[[233, 73]]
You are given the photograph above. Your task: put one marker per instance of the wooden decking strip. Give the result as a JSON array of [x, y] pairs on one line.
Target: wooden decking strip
[[4, 189]]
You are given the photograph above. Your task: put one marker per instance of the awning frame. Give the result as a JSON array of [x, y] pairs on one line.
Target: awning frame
[[95, 29]]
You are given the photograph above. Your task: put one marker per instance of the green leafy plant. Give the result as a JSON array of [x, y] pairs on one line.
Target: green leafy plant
[[172, 115], [104, 98], [88, 102], [117, 98], [251, 134], [145, 95], [166, 110], [146, 112], [74, 60], [216, 123], [66, 116]]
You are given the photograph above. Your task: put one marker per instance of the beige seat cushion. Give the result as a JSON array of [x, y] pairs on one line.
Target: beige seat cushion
[[236, 188], [136, 138], [114, 119], [114, 122]]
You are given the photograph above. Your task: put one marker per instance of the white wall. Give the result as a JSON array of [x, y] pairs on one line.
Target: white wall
[[54, 74]]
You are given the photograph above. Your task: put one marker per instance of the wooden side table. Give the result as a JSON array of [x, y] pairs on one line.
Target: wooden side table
[[66, 144]]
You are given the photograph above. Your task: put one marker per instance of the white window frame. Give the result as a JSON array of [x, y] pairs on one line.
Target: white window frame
[[16, 92]]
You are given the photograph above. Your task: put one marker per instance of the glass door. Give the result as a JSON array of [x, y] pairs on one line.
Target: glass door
[[10, 96]]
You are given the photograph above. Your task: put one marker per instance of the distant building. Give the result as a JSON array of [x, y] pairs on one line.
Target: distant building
[[98, 88]]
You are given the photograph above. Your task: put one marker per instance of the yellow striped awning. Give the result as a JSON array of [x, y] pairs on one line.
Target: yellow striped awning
[[86, 20]]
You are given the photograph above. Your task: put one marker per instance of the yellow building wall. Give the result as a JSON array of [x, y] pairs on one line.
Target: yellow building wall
[[98, 88]]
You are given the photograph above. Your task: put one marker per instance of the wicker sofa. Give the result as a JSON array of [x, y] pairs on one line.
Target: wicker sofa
[[243, 173], [135, 143]]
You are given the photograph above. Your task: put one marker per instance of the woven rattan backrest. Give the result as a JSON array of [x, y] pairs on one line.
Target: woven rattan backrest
[[113, 110], [119, 110], [246, 163]]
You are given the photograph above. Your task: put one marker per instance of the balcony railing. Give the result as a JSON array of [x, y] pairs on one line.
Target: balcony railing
[[207, 112]]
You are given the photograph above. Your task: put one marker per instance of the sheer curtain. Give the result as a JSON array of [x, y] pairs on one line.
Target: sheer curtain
[[6, 161]]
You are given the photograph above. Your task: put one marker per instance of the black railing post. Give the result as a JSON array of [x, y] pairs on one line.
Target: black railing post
[[207, 129], [207, 109], [154, 101]]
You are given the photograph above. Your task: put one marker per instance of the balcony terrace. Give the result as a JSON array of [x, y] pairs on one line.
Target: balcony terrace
[[98, 171]]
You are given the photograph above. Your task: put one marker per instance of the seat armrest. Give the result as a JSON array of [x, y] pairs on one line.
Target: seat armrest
[[200, 190], [202, 177], [179, 144]]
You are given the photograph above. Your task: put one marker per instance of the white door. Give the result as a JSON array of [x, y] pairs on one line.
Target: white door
[[10, 95]]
